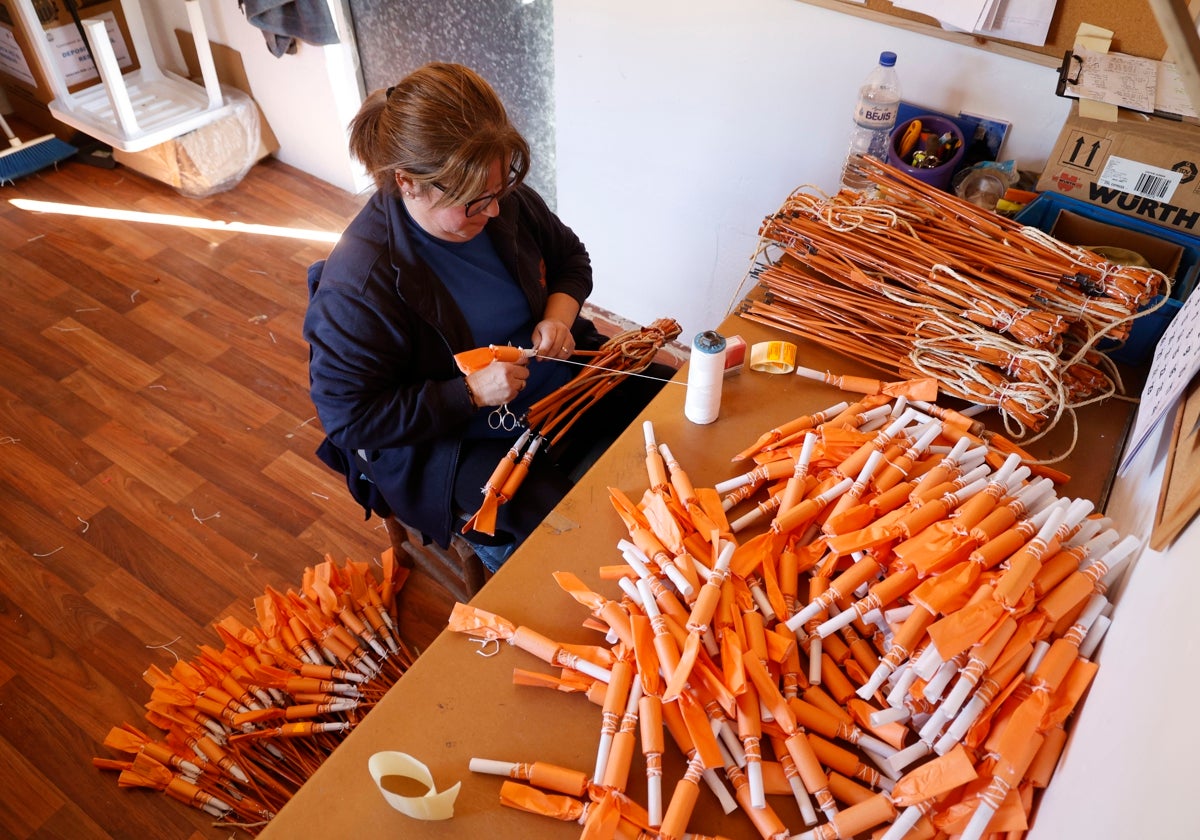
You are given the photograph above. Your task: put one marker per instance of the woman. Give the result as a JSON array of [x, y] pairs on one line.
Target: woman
[[452, 252]]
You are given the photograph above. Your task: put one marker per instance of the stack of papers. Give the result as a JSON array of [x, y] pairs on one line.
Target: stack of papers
[[1022, 21]]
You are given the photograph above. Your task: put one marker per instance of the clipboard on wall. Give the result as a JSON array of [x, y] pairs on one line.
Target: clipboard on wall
[[1127, 81], [1179, 498], [1069, 74]]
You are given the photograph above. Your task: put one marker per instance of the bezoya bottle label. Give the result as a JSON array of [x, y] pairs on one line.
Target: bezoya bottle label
[[879, 114]]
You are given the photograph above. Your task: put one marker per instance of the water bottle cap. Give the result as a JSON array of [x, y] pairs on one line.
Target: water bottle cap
[[887, 59]]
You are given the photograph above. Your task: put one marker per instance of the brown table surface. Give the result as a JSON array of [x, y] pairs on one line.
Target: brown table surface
[[454, 704]]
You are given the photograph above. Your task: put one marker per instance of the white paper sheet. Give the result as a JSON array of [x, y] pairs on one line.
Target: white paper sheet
[[1176, 361], [956, 14], [1123, 80], [1022, 21]]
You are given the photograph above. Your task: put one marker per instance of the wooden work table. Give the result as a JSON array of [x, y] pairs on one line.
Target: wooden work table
[[455, 704]]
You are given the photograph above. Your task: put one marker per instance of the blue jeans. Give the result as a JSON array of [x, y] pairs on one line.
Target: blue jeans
[[493, 556]]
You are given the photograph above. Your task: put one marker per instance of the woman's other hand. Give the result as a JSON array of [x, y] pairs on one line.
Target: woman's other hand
[[499, 382], [553, 339]]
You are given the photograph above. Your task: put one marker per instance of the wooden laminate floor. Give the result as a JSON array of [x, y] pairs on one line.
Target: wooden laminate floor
[[156, 468]]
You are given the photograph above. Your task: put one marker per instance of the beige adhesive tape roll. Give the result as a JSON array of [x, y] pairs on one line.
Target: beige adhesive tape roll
[[773, 357], [407, 785]]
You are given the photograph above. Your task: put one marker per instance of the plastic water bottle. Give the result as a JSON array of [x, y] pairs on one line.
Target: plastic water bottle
[[874, 117]]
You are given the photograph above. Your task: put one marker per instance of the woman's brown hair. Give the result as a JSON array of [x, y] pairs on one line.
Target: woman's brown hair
[[441, 124]]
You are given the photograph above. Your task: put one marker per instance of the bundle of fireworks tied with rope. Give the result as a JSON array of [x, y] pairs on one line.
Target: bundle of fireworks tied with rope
[[238, 729], [879, 620], [911, 279], [627, 353]]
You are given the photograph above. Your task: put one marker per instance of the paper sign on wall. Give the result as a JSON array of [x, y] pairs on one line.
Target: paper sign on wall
[[1176, 361], [12, 60], [74, 63]]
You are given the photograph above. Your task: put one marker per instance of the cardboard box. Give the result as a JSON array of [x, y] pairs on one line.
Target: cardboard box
[[215, 156], [1076, 229], [1145, 167], [20, 71], [1175, 254]]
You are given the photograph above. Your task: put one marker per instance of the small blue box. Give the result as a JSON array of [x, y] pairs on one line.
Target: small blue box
[[1044, 212]]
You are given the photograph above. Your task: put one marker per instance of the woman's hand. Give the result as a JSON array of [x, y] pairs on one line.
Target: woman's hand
[[499, 382], [553, 339]]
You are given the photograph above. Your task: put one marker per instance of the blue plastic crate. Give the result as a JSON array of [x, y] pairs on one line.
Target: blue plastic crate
[[1138, 348]]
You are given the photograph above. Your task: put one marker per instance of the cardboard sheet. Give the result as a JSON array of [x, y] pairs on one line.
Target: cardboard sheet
[[454, 704]]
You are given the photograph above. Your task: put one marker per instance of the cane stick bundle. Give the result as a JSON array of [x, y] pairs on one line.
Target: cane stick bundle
[[550, 418], [912, 279], [898, 651]]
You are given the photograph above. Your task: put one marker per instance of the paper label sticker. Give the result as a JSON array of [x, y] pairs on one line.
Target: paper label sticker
[[1137, 178]]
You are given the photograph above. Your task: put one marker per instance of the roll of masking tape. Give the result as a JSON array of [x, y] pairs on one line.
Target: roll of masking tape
[[407, 785], [773, 357]]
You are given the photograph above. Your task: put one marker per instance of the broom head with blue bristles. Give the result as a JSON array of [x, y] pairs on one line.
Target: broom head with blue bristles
[[25, 158]]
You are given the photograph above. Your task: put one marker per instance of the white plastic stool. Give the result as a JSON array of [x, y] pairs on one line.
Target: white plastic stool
[[140, 109]]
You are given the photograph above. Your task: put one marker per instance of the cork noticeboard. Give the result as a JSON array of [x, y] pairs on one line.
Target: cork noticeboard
[[1134, 26]]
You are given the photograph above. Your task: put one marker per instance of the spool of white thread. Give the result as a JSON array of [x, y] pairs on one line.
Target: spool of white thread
[[706, 370]]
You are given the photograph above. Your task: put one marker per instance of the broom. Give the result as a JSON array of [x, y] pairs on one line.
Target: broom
[[27, 158]]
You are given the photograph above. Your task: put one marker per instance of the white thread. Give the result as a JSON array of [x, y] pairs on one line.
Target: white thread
[[706, 369]]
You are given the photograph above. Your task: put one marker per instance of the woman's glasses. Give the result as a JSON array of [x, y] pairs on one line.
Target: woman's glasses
[[477, 205]]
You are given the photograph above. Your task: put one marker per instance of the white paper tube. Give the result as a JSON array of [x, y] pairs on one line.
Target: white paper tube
[[648, 434], [898, 761], [899, 692], [873, 745], [730, 746], [593, 670], [492, 767], [958, 728], [635, 557], [933, 727], [630, 588], [654, 800], [834, 624], [648, 602], [937, 684], [760, 600], [754, 775], [958, 695], [728, 803], [681, 583], [894, 714], [928, 662], [908, 818], [1118, 556], [1040, 649], [800, 794], [1094, 635], [979, 821]]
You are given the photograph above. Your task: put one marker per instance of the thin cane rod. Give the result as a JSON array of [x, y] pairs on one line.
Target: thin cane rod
[[947, 236]]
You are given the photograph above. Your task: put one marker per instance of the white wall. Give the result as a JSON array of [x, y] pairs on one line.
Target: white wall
[[682, 123], [307, 98], [1129, 767]]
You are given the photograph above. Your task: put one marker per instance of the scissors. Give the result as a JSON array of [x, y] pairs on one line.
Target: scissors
[[501, 418]]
